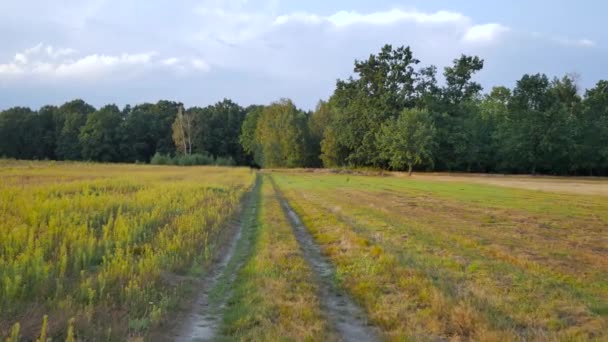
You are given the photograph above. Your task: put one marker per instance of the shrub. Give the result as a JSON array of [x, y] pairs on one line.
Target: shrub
[[161, 159], [224, 161]]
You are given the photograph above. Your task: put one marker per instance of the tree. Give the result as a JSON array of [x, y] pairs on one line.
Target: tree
[[248, 134], [183, 131], [280, 134], [319, 121], [407, 140], [455, 115], [17, 140], [218, 128], [46, 132], [100, 138], [386, 84], [592, 136], [70, 119]]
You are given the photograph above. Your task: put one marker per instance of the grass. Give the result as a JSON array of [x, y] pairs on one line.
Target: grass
[[274, 297], [109, 250], [456, 260], [110, 245]]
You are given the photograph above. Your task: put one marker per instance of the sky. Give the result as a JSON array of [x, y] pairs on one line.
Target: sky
[[254, 52]]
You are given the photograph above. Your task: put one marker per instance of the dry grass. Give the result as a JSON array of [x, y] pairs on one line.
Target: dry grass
[[462, 260], [573, 185]]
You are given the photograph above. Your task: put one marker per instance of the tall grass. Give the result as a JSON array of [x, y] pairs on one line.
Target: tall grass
[[104, 244]]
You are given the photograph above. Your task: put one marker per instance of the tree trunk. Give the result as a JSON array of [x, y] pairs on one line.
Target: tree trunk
[[409, 170]]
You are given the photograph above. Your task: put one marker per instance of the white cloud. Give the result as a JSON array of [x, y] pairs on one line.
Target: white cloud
[[200, 64], [566, 41], [344, 18], [51, 62], [170, 61], [586, 43], [485, 33], [257, 51], [348, 18], [95, 66]]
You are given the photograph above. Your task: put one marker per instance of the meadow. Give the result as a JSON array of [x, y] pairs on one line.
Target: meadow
[[110, 252], [101, 252], [430, 259]]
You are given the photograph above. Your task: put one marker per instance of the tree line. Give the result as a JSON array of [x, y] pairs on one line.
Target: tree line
[[391, 114], [78, 131], [394, 114]]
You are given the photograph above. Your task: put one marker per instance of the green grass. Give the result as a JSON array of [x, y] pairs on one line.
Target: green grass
[[274, 296], [453, 260]]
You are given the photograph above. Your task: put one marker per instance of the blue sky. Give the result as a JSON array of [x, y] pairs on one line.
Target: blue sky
[[201, 51]]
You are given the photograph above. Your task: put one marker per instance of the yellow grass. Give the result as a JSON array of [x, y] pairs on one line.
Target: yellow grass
[[97, 242]]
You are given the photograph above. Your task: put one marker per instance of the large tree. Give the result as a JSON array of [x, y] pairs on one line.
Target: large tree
[[386, 84], [16, 133], [183, 131], [280, 135], [455, 115], [407, 140], [217, 130], [592, 136], [71, 117], [248, 134], [100, 136]]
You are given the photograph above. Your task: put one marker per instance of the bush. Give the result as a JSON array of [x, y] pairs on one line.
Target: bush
[[224, 161], [161, 159], [191, 160], [194, 159]]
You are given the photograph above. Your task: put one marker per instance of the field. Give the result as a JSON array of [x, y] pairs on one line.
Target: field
[[110, 246], [183, 253]]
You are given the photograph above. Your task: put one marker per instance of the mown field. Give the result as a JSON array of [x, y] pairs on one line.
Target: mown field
[[320, 255], [431, 259], [102, 252]]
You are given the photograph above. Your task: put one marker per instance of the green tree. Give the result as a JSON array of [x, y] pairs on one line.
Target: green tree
[[407, 141], [248, 134], [71, 117], [217, 130], [592, 136], [280, 133], [15, 129], [100, 136], [459, 130], [386, 84]]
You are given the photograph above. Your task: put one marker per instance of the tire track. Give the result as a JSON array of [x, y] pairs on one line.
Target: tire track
[[205, 319], [344, 314]]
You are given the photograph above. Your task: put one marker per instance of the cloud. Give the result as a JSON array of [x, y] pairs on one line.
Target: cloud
[[485, 33], [200, 64], [51, 62], [349, 18], [247, 50], [585, 43]]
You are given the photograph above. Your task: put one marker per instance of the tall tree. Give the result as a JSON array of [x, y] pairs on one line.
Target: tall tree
[[592, 137], [457, 147], [183, 131], [280, 133], [407, 140], [218, 128], [99, 138], [16, 133], [248, 134], [384, 87], [71, 117]]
